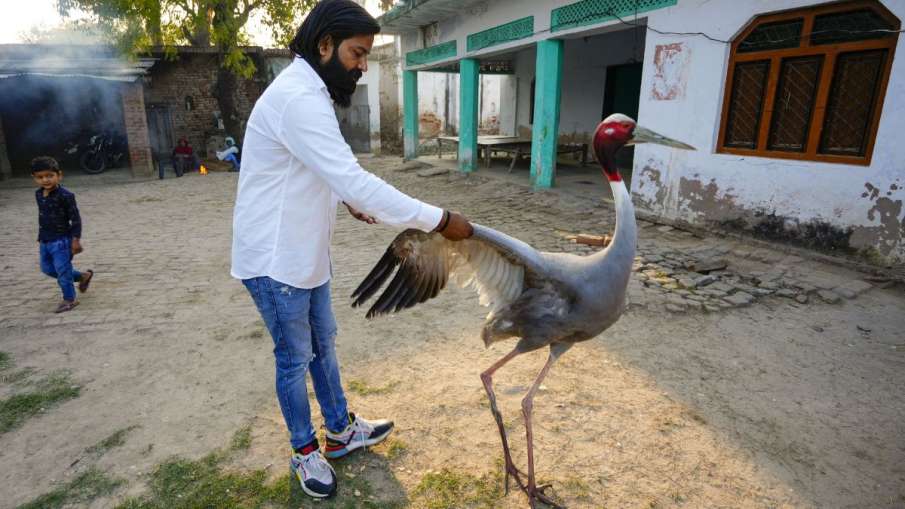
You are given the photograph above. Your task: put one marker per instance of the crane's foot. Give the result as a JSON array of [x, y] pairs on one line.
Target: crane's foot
[[538, 494], [515, 473]]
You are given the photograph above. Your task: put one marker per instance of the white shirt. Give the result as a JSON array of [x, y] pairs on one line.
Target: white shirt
[[296, 168]]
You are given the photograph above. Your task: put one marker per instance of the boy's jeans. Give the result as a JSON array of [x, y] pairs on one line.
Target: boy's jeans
[[303, 329], [56, 262]]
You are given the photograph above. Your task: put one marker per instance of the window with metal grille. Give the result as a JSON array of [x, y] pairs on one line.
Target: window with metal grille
[[809, 83]]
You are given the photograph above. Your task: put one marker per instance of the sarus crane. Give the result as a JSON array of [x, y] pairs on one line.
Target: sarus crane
[[544, 299]]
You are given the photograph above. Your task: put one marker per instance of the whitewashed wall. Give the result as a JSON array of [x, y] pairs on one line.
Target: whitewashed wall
[[703, 186]]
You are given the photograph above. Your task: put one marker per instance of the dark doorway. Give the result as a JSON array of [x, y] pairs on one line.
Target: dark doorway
[[160, 132], [622, 94], [48, 115]]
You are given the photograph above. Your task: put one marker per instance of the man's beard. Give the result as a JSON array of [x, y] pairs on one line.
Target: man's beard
[[340, 82]]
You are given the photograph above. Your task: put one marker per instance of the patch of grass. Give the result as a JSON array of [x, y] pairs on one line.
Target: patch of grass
[[48, 392], [578, 488], [395, 448], [447, 489], [183, 484], [363, 389], [241, 439], [115, 440], [88, 486], [179, 483], [16, 377], [6, 361]]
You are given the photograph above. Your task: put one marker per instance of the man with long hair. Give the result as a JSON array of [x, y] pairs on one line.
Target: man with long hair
[[296, 169]]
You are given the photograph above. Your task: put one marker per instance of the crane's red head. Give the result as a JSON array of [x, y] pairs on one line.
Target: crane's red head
[[611, 135], [617, 131]]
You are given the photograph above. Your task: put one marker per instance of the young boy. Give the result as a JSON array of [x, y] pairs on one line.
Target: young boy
[[60, 230]]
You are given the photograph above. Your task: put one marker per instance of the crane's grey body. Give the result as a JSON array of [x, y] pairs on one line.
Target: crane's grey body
[[543, 299], [567, 298]]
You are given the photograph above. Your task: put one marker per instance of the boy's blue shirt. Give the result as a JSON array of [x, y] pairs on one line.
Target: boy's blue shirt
[[58, 215]]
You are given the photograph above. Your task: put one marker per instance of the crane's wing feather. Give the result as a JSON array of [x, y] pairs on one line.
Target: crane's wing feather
[[490, 262]]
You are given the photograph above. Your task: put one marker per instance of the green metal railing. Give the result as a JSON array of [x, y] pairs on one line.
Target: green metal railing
[[512, 31], [434, 53], [590, 12]]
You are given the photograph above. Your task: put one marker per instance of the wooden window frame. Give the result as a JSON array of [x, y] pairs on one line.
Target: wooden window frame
[[830, 52]]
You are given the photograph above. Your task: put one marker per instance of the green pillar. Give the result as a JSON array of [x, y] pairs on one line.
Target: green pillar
[[410, 114], [469, 85], [546, 112]]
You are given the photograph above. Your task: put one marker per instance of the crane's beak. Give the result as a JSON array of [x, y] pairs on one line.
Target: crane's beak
[[644, 135]]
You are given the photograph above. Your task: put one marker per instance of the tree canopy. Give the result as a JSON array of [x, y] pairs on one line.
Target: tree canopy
[[137, 26]]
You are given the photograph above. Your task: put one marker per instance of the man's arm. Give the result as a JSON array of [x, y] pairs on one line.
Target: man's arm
[[310, 131]]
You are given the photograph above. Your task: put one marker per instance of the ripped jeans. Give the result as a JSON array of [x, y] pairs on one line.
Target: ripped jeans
[[303, 329]]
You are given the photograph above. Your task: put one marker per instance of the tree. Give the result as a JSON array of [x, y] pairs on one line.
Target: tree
[[138, 26]]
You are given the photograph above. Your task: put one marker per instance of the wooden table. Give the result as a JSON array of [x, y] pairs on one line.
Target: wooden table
[[513, 146]]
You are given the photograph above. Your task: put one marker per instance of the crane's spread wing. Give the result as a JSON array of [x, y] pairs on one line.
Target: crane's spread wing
[[492, 263]]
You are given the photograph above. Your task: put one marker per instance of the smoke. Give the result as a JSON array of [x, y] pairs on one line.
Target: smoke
[[54, 95], [79, 32]]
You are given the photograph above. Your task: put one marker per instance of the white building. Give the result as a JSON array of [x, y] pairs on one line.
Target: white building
[[795, 106]]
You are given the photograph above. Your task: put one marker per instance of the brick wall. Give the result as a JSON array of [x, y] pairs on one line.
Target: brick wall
[[136, 123], [192, 78]]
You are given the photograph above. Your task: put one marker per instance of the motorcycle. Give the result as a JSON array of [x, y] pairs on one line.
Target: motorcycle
[[105, 150]]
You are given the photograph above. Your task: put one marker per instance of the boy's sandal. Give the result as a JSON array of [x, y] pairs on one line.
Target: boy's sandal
[[66, 305], [86, 280]]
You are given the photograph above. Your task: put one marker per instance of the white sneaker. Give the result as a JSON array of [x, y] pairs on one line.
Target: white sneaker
[[360, 433], [315, 475]]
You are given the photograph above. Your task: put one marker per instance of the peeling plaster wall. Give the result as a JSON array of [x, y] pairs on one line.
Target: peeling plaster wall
[[682, 94]]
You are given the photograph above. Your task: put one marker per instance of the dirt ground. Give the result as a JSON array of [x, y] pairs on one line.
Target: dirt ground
[[775, 404]]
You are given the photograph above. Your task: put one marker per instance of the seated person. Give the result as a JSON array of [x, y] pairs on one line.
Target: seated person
[[230, 153], [184, 157]]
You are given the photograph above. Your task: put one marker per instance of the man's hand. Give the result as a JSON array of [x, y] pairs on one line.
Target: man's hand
[[455, 226], [76, 246], [361, 216]]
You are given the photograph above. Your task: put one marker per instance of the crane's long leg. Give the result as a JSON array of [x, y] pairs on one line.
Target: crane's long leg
[[487, 379], [534, 492]]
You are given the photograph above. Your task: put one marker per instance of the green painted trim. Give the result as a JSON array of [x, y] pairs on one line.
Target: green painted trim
[[547, 94], [591, 12], [410, 114], [434, 53], [512, 31], [469, 83]]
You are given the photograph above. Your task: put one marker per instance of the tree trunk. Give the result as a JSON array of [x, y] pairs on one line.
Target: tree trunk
[[227, 89]]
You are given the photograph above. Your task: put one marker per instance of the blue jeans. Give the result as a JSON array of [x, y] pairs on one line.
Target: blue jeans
[[303, 329], [56, 262], [233, 160]]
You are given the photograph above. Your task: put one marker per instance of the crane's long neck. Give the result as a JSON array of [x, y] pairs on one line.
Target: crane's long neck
[[620, 254]]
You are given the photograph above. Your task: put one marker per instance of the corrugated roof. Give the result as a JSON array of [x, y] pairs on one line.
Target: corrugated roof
[[70, 61], [413, 14]]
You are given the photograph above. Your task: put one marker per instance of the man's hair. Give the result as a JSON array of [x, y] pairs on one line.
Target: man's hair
[[340, 19], [43, 163]]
